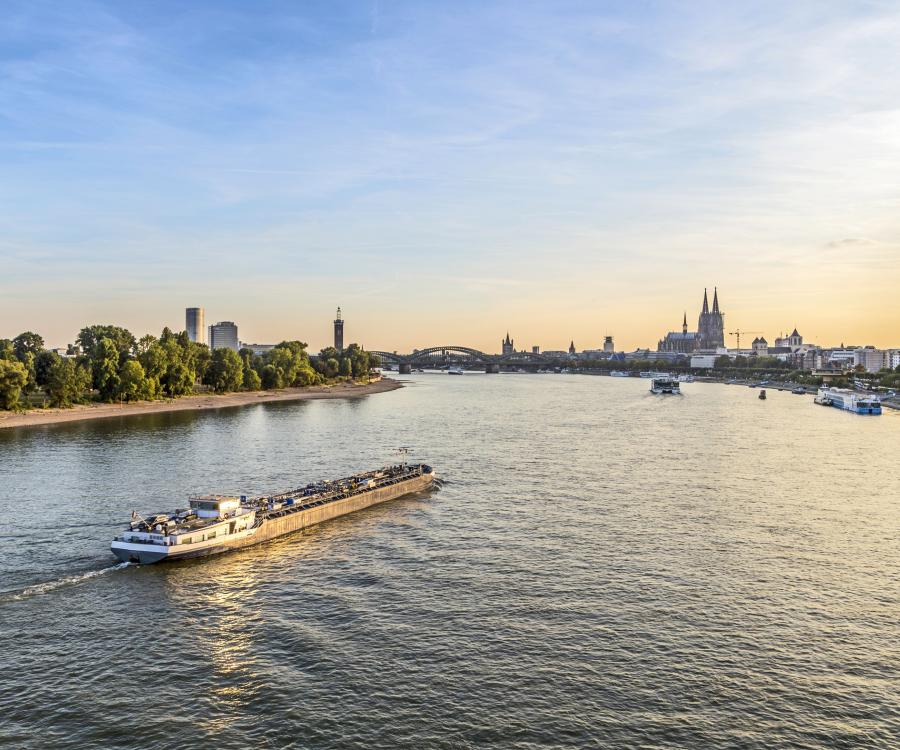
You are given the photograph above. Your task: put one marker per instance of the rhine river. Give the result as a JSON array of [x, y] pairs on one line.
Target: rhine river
[[602, 568]]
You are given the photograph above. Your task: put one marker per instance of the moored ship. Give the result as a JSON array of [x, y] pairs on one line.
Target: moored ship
[[219, 523], [842, 398]]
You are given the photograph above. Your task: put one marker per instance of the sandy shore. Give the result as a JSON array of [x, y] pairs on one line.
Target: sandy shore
[[191, 403]]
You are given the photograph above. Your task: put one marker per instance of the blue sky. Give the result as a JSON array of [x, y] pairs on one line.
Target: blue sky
[[445, 171]]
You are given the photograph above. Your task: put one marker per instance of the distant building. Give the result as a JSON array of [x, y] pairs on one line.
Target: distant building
[[339, 331], [224, 335], [608, 345], [760, 347], [870, 358], [535, 350], [572, 348], [507, 345], [893, 358], [194, 324], [707, 361], [792, 341], [685, 342], [258, 348]]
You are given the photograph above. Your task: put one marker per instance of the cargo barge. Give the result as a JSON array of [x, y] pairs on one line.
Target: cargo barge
[[220, 523]]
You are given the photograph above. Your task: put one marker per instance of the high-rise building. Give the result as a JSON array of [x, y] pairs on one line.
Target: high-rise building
[[339, 331], [194, 324], [224, 335], [608, 346]]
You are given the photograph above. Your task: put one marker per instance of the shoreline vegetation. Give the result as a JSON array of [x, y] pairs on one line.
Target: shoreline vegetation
[[197, 402], [108, 365]]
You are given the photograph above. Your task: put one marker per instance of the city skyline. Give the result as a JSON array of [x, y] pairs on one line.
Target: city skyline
[[564, 173]]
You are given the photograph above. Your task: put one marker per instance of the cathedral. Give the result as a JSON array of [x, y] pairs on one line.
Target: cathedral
[[710, 333]]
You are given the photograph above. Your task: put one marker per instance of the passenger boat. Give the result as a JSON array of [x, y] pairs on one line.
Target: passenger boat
[[619, 374], [665, 386], [455, 371], [848, 400], [219, 523]]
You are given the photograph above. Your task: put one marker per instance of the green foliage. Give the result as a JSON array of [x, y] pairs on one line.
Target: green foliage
[[252, 381], [43, 362], [6, 349], [722, 362], [225, 372], [178, 380], [91, 337], [67, 382], [134, 384], [346, 367], [27, 343], [13, 378], [106, 369], [272, 378]]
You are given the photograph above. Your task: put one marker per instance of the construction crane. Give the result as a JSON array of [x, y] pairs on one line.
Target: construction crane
[[740, 333]]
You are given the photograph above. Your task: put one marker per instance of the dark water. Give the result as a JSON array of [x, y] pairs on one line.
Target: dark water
[[603, 568]]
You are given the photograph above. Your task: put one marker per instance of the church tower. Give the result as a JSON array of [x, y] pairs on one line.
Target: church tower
[[507, 345], [711, 326]]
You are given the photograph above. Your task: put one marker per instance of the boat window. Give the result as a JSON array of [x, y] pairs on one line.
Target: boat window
[[186, 540], [211, 535]]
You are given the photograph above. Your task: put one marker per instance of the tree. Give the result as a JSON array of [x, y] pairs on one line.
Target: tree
[[722, 362], [27, 342], [226, 371], [178, 380], [272, 378], [106, 369], [13, 377], [67, 382], [133, 383], [332, 366], [90, 338], [43, 362], [252, 381], [346, 367]]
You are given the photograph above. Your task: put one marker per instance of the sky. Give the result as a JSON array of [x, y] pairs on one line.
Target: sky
[[448, 171]]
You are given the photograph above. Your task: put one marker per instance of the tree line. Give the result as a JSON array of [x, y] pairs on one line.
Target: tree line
[[110, 364]]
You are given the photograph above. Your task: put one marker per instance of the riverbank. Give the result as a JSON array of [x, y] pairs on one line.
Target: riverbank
[[36, 417]]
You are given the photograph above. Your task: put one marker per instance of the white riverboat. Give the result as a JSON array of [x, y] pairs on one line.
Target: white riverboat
[[842, 398], [665, 386], [619, 374]]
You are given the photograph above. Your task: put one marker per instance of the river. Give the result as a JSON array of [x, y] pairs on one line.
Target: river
[[601, 568]]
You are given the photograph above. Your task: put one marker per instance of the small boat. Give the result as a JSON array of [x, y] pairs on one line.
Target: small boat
[[619, 374], [455, 371], [799, 390], [668, 386], [762, 394]]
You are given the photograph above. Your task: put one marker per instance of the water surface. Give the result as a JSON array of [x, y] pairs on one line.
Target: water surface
[[603, 568]]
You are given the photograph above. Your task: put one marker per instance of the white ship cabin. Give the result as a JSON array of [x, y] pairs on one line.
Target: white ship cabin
[[215, 506], [209, 517]]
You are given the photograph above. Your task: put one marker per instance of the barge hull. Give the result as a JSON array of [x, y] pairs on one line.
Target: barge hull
[[275, 526]]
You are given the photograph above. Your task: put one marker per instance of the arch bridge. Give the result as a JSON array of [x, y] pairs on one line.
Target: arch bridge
[[464, 356]]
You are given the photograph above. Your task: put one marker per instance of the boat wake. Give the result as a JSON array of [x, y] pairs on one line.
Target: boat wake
[[48, 586]]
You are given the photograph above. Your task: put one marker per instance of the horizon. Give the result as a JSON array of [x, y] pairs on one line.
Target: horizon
[[450, 173]]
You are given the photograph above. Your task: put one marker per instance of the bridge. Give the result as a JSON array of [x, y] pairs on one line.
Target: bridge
[[466, 357]]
